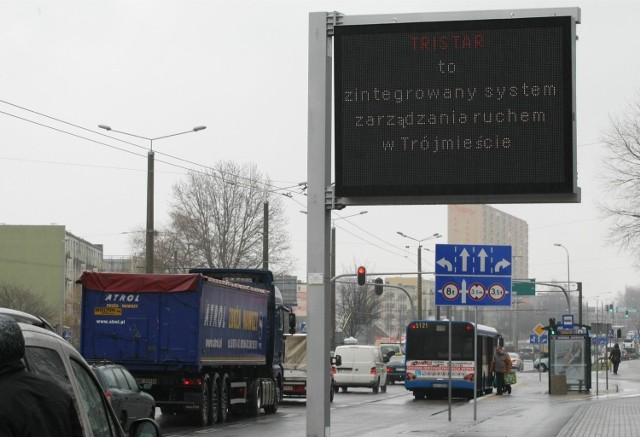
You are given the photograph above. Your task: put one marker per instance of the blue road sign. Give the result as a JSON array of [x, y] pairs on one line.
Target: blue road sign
[[533, 338], [473, 275], [567, 321]]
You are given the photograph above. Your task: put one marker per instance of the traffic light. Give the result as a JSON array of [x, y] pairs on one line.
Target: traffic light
[[552, 326], [362, 276], [626, 314], [610, 308], [619, 333], [378, 287]]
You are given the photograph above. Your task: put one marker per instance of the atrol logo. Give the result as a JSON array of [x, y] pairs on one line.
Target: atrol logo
[[120, 297]]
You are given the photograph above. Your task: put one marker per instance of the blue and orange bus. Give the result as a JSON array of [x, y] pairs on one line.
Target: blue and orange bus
[[427, 358]]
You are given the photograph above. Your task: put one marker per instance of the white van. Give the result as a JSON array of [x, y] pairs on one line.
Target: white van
[[361, 366]]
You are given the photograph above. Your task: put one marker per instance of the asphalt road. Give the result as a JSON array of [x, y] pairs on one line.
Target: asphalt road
[[529, 410]]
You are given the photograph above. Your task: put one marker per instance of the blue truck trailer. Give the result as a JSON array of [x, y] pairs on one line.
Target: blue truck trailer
[[210, 341]]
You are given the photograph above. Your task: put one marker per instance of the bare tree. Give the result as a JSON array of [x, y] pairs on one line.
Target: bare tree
[[356, 307], [217, 219], [622, 180], [23, 299]]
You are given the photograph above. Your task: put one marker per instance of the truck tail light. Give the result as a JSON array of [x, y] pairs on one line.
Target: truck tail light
[[373, 371], [192, 382]]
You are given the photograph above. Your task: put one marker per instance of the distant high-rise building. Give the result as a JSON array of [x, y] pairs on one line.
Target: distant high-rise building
[[483, 224]]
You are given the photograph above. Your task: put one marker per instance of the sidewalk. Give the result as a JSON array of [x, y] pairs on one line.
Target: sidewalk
[[607, 418], [532, 411], [611, 413]]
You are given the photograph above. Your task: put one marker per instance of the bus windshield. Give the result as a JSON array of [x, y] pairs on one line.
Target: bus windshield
[[426, 346]]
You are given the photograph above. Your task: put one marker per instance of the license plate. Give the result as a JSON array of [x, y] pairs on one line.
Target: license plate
[[400, 369], [440, 385], [151, 381]]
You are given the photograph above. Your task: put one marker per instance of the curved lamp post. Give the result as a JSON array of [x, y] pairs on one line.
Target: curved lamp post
[[150, 190]]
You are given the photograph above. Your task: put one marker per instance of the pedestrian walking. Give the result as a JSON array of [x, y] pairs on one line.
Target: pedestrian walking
[[501, 365], [30, 405], [614, 356]]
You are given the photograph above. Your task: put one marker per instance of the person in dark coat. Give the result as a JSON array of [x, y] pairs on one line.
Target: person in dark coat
[[614, 356], [501, 365], [30, 405]]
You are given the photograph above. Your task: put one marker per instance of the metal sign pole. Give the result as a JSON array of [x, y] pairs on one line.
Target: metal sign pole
[[450, 344], [475, 357]]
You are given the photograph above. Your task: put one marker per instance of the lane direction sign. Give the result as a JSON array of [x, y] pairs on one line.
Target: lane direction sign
[[473, 275]]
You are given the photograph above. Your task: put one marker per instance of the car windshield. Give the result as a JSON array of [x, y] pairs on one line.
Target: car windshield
[[514, 355], [397, 359]]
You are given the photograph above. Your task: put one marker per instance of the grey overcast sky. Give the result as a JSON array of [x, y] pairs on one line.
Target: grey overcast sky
[[240, 68]]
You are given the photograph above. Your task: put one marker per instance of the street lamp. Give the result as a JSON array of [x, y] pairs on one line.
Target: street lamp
[[568, 276], [419, 288], [150, 191], [332, 255]]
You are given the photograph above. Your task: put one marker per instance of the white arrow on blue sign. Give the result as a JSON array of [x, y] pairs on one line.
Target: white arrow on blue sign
[[473, 275]]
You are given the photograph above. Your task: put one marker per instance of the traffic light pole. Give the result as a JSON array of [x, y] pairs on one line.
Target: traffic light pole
[[348, 275], [377, 284]]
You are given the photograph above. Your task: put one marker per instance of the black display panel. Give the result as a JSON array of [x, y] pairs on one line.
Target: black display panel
[[455, 108]]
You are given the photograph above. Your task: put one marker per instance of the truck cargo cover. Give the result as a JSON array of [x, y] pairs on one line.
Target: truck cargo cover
[[128, 282]]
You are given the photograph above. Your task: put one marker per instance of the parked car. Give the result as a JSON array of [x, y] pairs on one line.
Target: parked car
[[49, 355], [126, 396], [395, 369], [391, 349], [526, 353], [517, 363], [624, 354], [542, 363], [361, 366]]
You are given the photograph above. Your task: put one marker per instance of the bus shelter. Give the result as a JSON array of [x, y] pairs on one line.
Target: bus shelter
[[569, 363]]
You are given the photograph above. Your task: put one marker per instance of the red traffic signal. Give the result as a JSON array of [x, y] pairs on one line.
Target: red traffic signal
[[362, 275]]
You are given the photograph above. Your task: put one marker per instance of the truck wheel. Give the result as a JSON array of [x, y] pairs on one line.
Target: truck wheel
[[205, 403], [224, 399], [376, 387], [272, 409], [215, 399], [254, 402], [384, 388]]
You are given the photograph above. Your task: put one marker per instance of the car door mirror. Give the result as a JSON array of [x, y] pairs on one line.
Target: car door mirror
[[144, 428], [337, 360]]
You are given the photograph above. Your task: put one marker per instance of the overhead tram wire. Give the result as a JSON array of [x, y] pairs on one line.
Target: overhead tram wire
[[269, 187], [369, 242], [71, 133]]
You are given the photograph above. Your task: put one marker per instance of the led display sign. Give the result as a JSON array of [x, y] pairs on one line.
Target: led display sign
[[456, 108]]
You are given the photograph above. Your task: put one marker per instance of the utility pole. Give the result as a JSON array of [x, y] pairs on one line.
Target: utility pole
[[265, 237]]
